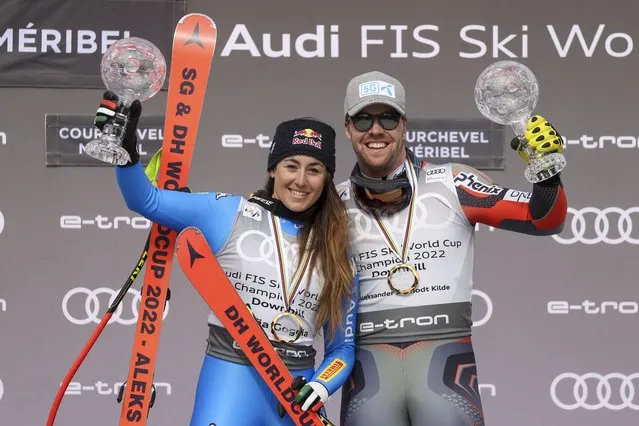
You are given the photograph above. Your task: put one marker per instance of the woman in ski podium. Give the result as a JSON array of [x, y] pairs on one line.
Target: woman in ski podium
[[285, 249]]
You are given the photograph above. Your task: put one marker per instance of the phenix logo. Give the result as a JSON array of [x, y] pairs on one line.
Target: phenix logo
[[472, 182], [308, 137]]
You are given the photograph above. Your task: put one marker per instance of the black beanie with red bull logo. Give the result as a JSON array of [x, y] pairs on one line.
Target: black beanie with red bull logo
[[303, 136]]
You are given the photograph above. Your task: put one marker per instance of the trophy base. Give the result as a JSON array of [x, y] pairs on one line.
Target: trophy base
[[543, 168], [108, 152]]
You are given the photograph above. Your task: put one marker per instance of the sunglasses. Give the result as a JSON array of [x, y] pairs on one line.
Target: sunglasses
[[388, 120]]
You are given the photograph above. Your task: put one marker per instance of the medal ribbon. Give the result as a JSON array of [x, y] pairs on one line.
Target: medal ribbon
[[409, 222], [281, 260]]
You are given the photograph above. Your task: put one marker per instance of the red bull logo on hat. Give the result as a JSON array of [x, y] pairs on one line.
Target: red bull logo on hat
[[308, 137]]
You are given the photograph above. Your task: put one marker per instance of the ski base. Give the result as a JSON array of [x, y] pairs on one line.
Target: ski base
[[193, 48]]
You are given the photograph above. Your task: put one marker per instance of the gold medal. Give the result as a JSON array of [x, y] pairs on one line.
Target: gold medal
[[286, 324], [396, 286]]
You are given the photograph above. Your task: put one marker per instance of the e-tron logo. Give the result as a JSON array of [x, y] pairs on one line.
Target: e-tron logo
[[590, 225], [82, 311], [593, 308], [104, 222], [423, 321], [614, 391], [489, 308], [105, 388], [239, 141]]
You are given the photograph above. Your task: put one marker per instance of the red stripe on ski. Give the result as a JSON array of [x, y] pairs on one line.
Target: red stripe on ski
[[204, 272], [193, 48]]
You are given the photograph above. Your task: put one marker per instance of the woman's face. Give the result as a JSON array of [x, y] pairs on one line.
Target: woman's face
[[299, 181]]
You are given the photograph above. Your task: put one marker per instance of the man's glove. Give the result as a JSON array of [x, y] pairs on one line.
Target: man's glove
[[311, 395], [541, 136], [111, 111]]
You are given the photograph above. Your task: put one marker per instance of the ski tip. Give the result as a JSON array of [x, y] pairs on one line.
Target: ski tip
[[186, 231], [189, 15]]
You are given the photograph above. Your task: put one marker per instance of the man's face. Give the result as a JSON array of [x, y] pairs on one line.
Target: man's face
[[379, 151]]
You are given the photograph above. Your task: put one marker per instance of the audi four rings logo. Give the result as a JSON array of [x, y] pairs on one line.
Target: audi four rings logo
[[87, 306], [435, 171], [614, 391], [257, 246], [489, 308], [424, 218], [590, 225]]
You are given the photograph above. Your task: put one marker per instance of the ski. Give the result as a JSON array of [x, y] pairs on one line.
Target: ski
[[192, 53], [205, 274]]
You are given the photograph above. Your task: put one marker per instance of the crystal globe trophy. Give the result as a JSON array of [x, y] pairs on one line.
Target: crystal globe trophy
[[506, 93], [132, 68]]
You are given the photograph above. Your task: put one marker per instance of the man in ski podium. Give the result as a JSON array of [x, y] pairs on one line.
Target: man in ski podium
[[286, 249], [412, 235]]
